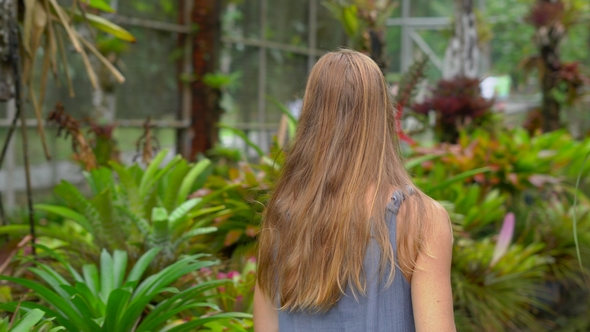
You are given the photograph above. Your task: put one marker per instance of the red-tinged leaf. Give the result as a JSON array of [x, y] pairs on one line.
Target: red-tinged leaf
[[10, 249], [504, 238], [232, 237], [513, 178], [539, 180], [251, 231], [479, 178], [233, 174], [251, 179]]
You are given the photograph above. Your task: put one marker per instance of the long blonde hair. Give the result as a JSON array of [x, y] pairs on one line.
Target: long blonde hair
[[334, 189]]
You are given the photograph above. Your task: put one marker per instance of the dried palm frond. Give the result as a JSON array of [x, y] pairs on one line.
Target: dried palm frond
[[68, 126], [44, 23]]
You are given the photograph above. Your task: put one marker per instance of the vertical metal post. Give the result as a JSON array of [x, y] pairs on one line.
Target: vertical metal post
[[486, 57], [184, 114], [54, 164], [262, 77], [406, 51], [10, 164], [313, 33]]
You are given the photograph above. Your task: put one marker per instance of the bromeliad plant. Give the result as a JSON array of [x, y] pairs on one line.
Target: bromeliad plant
[[32, 321], [498, 285], [136, 210], [115, 299], [457, 103], [238, 293], [498, 296], [517, 162]]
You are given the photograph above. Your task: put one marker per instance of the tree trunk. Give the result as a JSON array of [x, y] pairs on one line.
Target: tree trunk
[[547, 38], [377, 46], [550, 107], [6, 18], [205, 109], [462, 54]]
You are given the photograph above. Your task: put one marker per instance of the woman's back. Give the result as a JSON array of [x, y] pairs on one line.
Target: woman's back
[[383, 308], [326, 233]]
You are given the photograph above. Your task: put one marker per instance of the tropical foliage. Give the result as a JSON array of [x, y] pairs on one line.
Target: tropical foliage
[[128, 249], [131, 209], [31, 321], [115, 299]]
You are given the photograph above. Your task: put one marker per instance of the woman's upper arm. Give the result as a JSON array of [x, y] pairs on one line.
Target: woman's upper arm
[[432, 298], [266, 318]]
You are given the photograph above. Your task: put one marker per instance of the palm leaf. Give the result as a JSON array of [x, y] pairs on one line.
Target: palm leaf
[[26, 323], [28, 306], [100, 5], [174, 180], [116, 305], [245, 138], [420, 160], [151, 171], [96, 305], [575, 220], [107, 275], [142, 264], [190, 179], [457, 178], [180, 214], [155, 284], [66, 25], [195, 323], [67, 214], [69, 314], [163, 310], [105, 25]]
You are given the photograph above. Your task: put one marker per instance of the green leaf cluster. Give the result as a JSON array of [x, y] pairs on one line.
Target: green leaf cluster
[[532, 176], [135, 210], [114, 297], [32, 321]]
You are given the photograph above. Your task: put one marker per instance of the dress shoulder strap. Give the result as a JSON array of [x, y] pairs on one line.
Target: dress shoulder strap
[[398, 197]]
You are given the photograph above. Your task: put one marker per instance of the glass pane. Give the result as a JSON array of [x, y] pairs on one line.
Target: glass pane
[[330, 34], [127, 138], [80, 105], [241, 102], [241, 19], [287, 22], [393, 49], [3, 110], [429, 8], [285, 82], [150, 68], [158, 10], [437, 41]]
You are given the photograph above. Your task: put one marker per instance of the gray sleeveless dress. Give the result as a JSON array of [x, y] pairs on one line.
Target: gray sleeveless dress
[[381, 309]]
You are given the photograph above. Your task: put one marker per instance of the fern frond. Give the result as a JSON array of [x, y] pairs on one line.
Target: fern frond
[[160, 235], [142, 225], [192, 233], [410, 81], [180, 214], [407, 86], [113, 234], [70, 194]]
